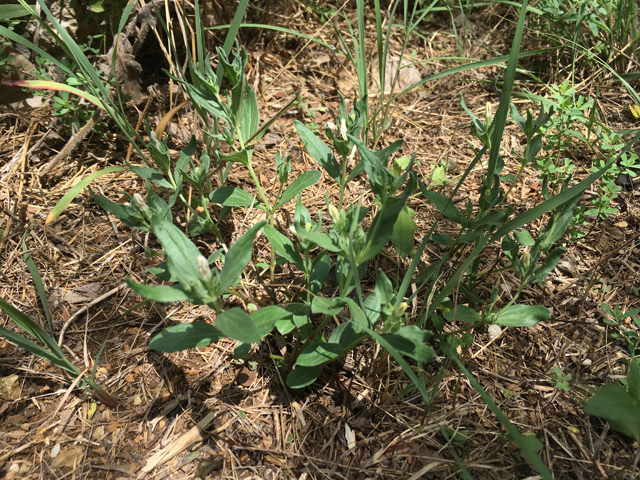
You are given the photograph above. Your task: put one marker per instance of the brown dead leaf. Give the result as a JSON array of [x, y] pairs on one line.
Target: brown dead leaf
[[10, 387], [68, 458]]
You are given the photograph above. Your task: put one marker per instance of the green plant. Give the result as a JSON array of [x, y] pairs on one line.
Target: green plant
[[561, 381], [618, 405], [606, 29], [615, 317], [47, 349], [449, 296]]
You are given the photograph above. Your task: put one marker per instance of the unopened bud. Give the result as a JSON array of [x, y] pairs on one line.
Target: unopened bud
[[335, 213], [203, 268], [343, 128], [526, 260], [307, 227], [488, 114], [402, 308], [142, 205], [331, 126]]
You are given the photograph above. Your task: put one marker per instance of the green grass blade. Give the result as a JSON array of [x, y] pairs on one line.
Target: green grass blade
[[500, 119], [60, 87], [36, 349], [74, 191], [5, 32], [31, 327], [232, 33], [37, 280], [515, 434]]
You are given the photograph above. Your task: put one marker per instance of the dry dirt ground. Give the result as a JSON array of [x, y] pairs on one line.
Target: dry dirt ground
[[200, 413]]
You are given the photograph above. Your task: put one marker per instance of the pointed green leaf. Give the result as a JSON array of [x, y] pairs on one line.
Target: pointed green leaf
[[301, 377], [184, 336], [236, 324], [319, 150], [230, 196], [403, 232], [75, 191], [305, 180], [283, 246], [159, 293], [462, 313], [237, 258], [523, 316]]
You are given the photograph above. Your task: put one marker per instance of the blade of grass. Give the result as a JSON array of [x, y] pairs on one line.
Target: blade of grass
[[37, 280], [500, 119], [75, 191], [232, 33], [514, 434]]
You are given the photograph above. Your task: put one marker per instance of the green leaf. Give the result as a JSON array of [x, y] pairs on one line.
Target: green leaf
[[633, 381], [321, 239], [37, 280], [529, 446], [524, 238], [7, 12], [523, 316], [230, 196], [383, 223], [301, 377], [409, 341], [237, 258], [327, 306], [236, 324], [33, 329], [305, 180], [319, 150], [319, 352], [549, 264], [153, 175], [618, 407], [265, 319], [445, 205], [462, 313], [243, 157], [120, 211], [495, 218], [184, 336], [180, 252], [283, 246], [250, 116], [75, 191], [403, 232], [159, 293], [36, 350], [319, 272]]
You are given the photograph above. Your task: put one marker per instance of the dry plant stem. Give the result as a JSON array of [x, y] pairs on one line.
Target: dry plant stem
[[25, 149], [85, 308], [72, 144], [140, 120]]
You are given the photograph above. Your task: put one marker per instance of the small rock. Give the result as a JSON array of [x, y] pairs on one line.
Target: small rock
[[568, 265]]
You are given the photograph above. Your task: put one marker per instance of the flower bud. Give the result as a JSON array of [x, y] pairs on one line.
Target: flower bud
[[334, 213], [142, 205], [488, 114], [401, 309], [307, 227], [343, 128], [526, 260], [203, 268]]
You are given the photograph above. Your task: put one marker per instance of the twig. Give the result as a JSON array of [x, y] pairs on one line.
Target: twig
[[72, 144], [85, 308]]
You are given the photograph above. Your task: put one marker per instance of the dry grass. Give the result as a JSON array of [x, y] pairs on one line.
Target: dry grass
[[199, 412]]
